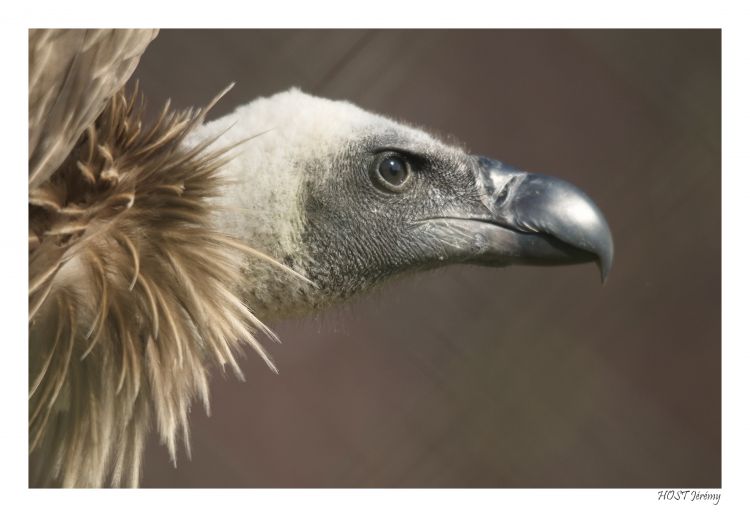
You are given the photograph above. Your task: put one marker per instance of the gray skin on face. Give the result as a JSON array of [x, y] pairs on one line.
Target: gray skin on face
[[452, 208], [358, 231]]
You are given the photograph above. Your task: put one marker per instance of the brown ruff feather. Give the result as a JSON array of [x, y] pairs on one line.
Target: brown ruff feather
[[132, 295]]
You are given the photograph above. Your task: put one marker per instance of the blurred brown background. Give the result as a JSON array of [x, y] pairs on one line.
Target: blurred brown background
[[471, 377]]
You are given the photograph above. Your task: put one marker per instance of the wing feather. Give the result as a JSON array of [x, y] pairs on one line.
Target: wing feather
[[72, 75]]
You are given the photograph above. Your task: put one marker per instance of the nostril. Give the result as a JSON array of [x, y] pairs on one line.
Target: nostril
[[501, 195]]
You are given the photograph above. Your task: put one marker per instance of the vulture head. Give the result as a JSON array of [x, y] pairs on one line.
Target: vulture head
[[349, 199]]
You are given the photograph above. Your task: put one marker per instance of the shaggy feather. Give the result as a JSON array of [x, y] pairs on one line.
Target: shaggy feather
[[132, 295]]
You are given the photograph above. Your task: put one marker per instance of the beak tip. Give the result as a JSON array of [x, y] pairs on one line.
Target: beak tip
[[604, 260]]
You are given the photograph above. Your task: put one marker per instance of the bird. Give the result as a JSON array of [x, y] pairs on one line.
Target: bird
[[159, 250]]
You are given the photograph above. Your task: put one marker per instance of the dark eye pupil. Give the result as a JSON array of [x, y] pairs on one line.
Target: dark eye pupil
[[393, 170]]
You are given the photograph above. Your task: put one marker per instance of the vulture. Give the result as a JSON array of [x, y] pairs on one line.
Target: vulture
[[158, 249]]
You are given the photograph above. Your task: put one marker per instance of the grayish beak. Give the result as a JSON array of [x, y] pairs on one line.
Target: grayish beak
[[541, 220]]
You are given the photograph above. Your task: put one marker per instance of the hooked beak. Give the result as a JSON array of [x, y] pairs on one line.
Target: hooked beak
[[532, 219]]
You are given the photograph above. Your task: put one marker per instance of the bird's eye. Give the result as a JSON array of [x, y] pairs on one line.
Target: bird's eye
[[392, 172]]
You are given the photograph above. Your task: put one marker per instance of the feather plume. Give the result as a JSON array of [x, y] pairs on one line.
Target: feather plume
[[132, 295]]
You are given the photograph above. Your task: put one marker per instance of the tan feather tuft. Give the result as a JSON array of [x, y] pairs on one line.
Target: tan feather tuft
[[133, 295]]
